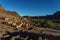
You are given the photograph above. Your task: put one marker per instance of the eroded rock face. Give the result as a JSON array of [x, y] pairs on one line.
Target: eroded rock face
[[13, 19], [12, 22]]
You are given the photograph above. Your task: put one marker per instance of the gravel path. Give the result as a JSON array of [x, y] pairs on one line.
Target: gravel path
[[52, 31]]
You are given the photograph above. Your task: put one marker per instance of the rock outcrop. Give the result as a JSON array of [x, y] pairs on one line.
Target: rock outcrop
[[12, 22], [12, 18]]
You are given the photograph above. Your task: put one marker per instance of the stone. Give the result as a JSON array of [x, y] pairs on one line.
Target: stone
[[19, 25], [14, 24], [6, 19]]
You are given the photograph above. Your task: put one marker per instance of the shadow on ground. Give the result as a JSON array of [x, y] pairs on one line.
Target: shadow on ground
[[28, 36]]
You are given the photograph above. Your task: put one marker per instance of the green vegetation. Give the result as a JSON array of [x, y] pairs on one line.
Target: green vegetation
[[45, 23]]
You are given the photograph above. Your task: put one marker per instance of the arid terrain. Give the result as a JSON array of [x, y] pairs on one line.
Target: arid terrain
[[15, 27]]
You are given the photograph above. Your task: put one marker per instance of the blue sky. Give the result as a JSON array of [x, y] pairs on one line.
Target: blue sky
[[32, 7]]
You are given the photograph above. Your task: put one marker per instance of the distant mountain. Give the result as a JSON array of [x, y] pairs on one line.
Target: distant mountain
[[55, 16]]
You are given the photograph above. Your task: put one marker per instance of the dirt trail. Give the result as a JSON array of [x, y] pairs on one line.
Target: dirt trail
[[52, 31]]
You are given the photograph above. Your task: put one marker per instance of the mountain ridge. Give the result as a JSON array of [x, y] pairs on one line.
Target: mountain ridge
[[55, 16]]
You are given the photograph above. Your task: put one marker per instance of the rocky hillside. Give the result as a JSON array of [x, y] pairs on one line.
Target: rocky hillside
[[15, 27], [12, 18], [11, 21]]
